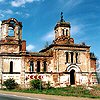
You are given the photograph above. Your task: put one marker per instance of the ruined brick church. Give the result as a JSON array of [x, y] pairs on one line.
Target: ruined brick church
[[62, 63]]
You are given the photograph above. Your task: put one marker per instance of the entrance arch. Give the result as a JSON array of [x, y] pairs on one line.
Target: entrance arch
[[72, 77], [73, 73]]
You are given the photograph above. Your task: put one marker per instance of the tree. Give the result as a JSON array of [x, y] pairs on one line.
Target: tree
[[98, 70], [46, 44]]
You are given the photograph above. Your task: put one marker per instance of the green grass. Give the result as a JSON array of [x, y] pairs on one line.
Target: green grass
[[78, 91]]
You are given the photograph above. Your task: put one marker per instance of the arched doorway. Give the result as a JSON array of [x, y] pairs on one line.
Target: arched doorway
[[72, 77]]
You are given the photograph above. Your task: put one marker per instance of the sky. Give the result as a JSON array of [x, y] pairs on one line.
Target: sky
[[39, 18]]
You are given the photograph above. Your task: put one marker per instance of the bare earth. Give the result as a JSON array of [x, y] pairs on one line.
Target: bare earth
[[45, 97]]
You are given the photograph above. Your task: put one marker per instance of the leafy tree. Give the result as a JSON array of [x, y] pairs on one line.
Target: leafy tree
[[98, 70], [10, 83], [46, 44]]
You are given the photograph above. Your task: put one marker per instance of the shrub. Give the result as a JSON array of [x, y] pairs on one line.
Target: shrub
[[46, 85], [36, 84], [10, 84]]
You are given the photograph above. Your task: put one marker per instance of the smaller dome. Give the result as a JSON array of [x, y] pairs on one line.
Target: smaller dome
[[62, 23]]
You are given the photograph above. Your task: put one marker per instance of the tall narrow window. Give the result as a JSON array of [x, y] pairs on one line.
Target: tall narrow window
[[62, 31], [11, 67], [45, 66], [66, 32], [38, 66], [31, 66], [71, 57], [76, 57], [66, 57]]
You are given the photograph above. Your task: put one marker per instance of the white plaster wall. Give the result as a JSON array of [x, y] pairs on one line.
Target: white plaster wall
[[16, 64]]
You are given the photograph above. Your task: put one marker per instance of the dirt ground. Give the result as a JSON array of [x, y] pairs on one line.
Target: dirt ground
[[45, 97]]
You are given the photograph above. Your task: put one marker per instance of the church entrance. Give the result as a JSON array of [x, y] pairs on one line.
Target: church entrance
[[72, 77]]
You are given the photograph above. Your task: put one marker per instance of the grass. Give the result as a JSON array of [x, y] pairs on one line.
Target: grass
[[78, 91]]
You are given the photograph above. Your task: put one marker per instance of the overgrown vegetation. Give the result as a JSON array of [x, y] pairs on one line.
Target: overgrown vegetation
[[10, 84], [36, 84], [39, 87]]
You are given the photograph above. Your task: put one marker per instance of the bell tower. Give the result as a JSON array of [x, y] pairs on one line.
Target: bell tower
[[11, 37], [11, 29], [62, 32]]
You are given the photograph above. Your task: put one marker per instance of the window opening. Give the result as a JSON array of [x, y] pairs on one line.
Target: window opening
[[66, 57], [10, 31], [45, 66], [66, 32], [76, 57], [71, 57], [62, 31], [38, 66], [31, 66], [11, 67]]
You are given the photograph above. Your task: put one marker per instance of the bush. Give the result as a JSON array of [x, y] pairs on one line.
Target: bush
[[10, 84], [36, 84], [46, 85]]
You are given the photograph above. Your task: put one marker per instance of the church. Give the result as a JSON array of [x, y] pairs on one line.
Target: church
[[62, 63]]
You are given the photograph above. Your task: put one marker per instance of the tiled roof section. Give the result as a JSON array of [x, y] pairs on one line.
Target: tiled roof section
[[65, 45], [62, 24], [35, 54], [40, 54]]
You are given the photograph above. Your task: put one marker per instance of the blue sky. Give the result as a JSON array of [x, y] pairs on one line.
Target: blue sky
[[39, 18]]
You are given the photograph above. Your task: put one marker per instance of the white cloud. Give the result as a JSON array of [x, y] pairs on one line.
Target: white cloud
[[75, 29], [2, 0], [27, 15], [49, 36], [1, 15], [98, 65], [8, 11], [30, 47], [18, 3], [0, 23], [72, 3]]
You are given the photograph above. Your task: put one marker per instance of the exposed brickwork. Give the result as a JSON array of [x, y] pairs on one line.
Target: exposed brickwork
[[66, 63]]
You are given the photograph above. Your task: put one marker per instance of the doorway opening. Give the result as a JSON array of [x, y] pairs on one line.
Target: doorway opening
[[72, 77]]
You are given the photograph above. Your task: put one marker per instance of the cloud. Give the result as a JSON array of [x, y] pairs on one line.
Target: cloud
[[49, 36], [18, 3], [2, 0], [8, 11], [75, 29], [72, 3], [30, 47], [0, 23], [1, 15]]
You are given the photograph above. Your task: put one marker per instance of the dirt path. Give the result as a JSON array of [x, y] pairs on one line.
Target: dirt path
[[45, 97]]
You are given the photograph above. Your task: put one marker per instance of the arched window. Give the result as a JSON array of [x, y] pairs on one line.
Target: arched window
[[11, 67], [66, 57], [11, 28], [62, 31], [66, 32], [76, 57], [38, 66], [71, 57], [31, 66], [10, 31], [45, 66]]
